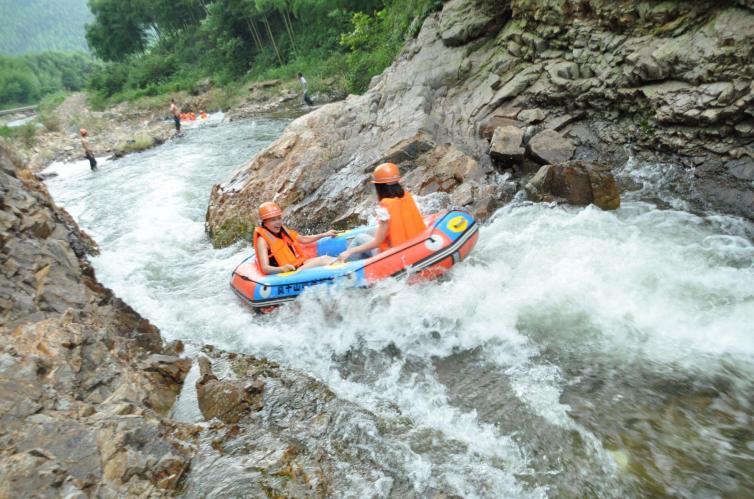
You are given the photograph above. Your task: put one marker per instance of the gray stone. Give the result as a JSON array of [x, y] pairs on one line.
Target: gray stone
[[550, 147], [506, 144], [741, 168], [535, 115]]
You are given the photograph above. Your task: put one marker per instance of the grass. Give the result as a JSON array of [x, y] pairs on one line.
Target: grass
[[27, 134], [141, 142]]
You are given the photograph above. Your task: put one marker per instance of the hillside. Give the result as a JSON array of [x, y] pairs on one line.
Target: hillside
[[43, 25]]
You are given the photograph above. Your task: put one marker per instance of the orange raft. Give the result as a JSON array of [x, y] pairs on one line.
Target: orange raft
[[447, 240]]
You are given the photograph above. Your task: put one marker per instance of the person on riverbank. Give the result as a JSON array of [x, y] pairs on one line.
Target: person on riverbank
[[278, 248], [176, 115], [398, 217], [88, 149], [305, 87]]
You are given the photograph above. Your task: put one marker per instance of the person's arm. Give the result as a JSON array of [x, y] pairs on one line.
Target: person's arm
[[317, 237], [264, 260], [379, 237]]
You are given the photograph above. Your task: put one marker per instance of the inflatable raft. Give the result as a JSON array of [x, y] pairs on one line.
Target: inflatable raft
[[448, 239]]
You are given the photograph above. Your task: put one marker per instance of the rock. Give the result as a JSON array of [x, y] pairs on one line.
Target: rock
[[464, 20], [530, 116], [576, 183], [489, 125], [83, 378], [605, 193], [506, 144], [549, 146], [226, 400], [264, 84], [560, 122]]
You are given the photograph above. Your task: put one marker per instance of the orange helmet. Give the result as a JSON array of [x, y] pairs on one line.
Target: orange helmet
[[83, 131], [269, 210], [386, 173]]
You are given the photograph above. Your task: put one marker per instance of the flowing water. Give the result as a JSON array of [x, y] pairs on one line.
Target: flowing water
[[575, 353]]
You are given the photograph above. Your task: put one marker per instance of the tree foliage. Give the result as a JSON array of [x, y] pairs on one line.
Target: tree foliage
[[43, 25], [26, 79], [160, 45]]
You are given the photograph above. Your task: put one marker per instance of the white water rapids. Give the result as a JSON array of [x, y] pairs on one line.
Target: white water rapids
[[575, 353]]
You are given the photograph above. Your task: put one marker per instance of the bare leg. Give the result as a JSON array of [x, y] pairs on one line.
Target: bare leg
[[319, 261]]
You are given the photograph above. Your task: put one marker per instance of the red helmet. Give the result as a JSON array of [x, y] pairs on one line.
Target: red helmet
[[269, 209], [386, 173], [83, 132]]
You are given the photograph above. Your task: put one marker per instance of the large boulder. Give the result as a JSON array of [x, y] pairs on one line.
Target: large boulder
[[576, 183], [506, 144], [549, 147]]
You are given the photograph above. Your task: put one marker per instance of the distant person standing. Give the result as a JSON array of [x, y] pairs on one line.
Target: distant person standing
[[88, 149], [176, 115], [305, 88]]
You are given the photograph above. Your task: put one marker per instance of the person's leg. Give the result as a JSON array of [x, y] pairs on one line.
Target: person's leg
[[319, 261], [92, 161], [177, 123]]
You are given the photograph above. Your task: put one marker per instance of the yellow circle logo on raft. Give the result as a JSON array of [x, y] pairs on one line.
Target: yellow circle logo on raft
[[458, 224]]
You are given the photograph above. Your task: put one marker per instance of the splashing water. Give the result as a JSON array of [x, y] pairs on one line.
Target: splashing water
[[576, 352]]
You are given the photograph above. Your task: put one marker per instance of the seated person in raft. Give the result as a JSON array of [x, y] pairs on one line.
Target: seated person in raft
[[277, 247], [398, 218]]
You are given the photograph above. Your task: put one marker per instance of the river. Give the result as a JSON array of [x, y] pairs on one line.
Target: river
[[575, 353]]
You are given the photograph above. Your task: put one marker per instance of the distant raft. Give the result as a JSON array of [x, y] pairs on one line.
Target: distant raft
[[448, 239]]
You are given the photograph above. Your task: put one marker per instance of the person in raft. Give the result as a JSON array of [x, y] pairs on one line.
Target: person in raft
[[398, 218], [88, 149], [176, 115], [278, 247]]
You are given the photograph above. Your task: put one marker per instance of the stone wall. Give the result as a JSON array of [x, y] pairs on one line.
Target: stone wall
[[671, 80]]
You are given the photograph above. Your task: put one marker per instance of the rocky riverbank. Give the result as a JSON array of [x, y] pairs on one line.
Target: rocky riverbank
[[135, 126], [489, 91], [85, 383]]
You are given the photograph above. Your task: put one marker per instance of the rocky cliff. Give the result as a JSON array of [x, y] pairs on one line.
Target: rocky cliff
[[85, 383], [491, 90]]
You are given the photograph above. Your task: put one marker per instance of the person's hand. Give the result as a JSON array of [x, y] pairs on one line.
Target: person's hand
[[343, 256], [330, 233], [288, 267]]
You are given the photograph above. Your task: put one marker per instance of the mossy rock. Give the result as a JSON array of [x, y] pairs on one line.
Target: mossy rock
[[231, 231]]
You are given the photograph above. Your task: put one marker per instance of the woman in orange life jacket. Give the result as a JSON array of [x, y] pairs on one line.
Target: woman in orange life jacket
[[277, 247], [398, 218]]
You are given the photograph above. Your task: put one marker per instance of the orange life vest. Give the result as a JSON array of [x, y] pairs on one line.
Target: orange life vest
[[405, 220], [284, 249]]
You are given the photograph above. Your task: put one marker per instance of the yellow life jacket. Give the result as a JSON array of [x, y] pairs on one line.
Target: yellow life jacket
[[284, 249], [405, 220]]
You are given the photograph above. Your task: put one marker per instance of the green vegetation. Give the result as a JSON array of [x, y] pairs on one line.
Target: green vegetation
[[26, 133], [43, 25], [26, 79], [153, 47]]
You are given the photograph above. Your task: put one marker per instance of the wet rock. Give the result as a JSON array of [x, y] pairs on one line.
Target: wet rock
[[226, 400], [576, 183], [549, 146]]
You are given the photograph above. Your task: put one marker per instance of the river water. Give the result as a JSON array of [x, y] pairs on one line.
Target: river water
[[575, 353]]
